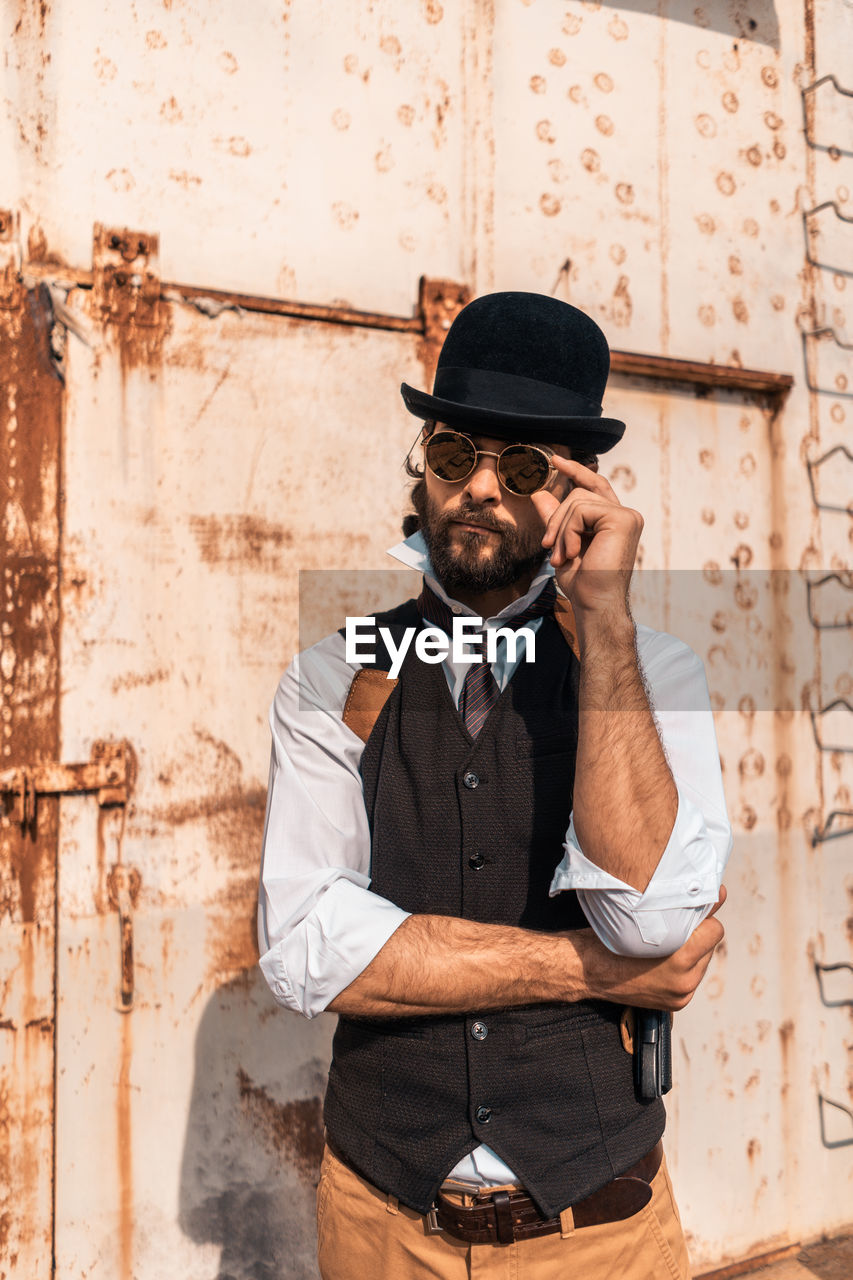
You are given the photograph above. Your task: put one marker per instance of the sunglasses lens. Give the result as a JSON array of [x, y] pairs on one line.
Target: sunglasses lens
[[523, 469], [450, 456]]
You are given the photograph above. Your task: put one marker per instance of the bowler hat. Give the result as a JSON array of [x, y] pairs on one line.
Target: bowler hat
[[522, 366]]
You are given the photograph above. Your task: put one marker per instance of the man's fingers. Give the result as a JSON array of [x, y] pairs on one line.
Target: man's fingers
[[708, 935], [584, 477], [719, 902], [545, 503]]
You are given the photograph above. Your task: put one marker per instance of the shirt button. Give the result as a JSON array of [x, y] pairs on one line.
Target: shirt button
[[479, 1030], [694, 887], [483, 1115], [476, 861], [471, 781]]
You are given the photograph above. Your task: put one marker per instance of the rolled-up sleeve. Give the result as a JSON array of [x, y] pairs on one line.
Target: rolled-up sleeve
[[319, 925], [686, 882]]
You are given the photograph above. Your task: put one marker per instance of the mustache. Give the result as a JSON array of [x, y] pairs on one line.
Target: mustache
[[474, 514]]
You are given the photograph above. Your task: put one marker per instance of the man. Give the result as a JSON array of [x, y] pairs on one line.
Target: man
[[481, 1113]]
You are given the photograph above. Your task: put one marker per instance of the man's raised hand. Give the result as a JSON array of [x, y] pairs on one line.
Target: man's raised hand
[[591, 531]]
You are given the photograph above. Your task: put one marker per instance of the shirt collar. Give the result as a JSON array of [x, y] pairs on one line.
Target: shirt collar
[[413, 553]]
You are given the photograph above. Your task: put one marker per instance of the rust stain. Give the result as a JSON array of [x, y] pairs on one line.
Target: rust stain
[[295, 1127], [126, 296], [100, 902], [235, 933], [137, 679], [241, 541], [124, 1150], [751, 764], [208, 806], [439, 303], [621, 307], [786, 1036]]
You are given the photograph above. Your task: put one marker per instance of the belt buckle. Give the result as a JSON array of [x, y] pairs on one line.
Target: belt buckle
[[432, 1227]]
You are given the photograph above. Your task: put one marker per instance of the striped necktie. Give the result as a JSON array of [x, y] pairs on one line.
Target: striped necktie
[[480, 691]]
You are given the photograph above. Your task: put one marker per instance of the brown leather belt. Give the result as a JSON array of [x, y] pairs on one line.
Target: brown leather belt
[[501, 1217]]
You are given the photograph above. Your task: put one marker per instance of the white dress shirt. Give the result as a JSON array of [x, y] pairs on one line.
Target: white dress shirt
[[319, 925]]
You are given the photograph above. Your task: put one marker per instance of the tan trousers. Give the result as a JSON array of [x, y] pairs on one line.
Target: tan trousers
[[363, 1234]]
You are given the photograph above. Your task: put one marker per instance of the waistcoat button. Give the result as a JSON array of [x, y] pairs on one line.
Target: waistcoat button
[[476, 861], [479, 1030], [483, 1115], [471, 781]]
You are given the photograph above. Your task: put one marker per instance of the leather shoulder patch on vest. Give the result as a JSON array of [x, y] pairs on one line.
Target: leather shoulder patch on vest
[[565, 620], [368, 693]]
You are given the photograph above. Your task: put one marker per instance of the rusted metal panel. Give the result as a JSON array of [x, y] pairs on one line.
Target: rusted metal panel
[[650, 166], [657, 199], [157, 624], [368, 118], [30, 424]]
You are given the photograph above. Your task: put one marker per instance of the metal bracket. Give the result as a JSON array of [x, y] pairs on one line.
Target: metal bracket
[[126, 275], [107, 774], [813, 232], [823, 1104], [819, 462], [834, 149], [813, 340], [820, 970], [844, 581], [439, 302], [816, 715], [827, 832]]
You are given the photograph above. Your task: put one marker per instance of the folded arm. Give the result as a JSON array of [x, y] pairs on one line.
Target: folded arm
[[438, 964], [327, 941], [652, 873]]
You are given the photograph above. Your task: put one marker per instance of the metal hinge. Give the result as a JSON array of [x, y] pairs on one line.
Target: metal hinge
[[440, 302], [126, 275], [107, 774]]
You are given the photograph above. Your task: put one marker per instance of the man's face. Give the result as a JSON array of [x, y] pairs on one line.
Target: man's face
[[481, 537]]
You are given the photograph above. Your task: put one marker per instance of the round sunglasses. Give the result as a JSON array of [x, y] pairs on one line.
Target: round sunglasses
[[522, 469]]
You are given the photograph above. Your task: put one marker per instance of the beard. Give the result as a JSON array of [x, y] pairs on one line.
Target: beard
[[457, 556]]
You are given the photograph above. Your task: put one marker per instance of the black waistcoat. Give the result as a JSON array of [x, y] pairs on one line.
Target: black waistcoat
[[474, 829]]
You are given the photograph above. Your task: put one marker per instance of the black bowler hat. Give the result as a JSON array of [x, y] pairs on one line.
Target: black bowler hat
[[522, 366]]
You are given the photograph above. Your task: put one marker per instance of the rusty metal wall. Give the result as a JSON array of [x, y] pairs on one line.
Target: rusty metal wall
[[684, 174], [30, 428]]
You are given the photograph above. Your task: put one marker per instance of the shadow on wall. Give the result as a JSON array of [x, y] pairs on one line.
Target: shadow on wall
[[753, 20], [254, 1139]]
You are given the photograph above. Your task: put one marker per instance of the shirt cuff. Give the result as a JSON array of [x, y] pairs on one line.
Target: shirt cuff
[[687, 877], [327, 950]]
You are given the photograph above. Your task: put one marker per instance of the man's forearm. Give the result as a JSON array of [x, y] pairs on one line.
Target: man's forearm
[[440, 964], [625, 799]]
